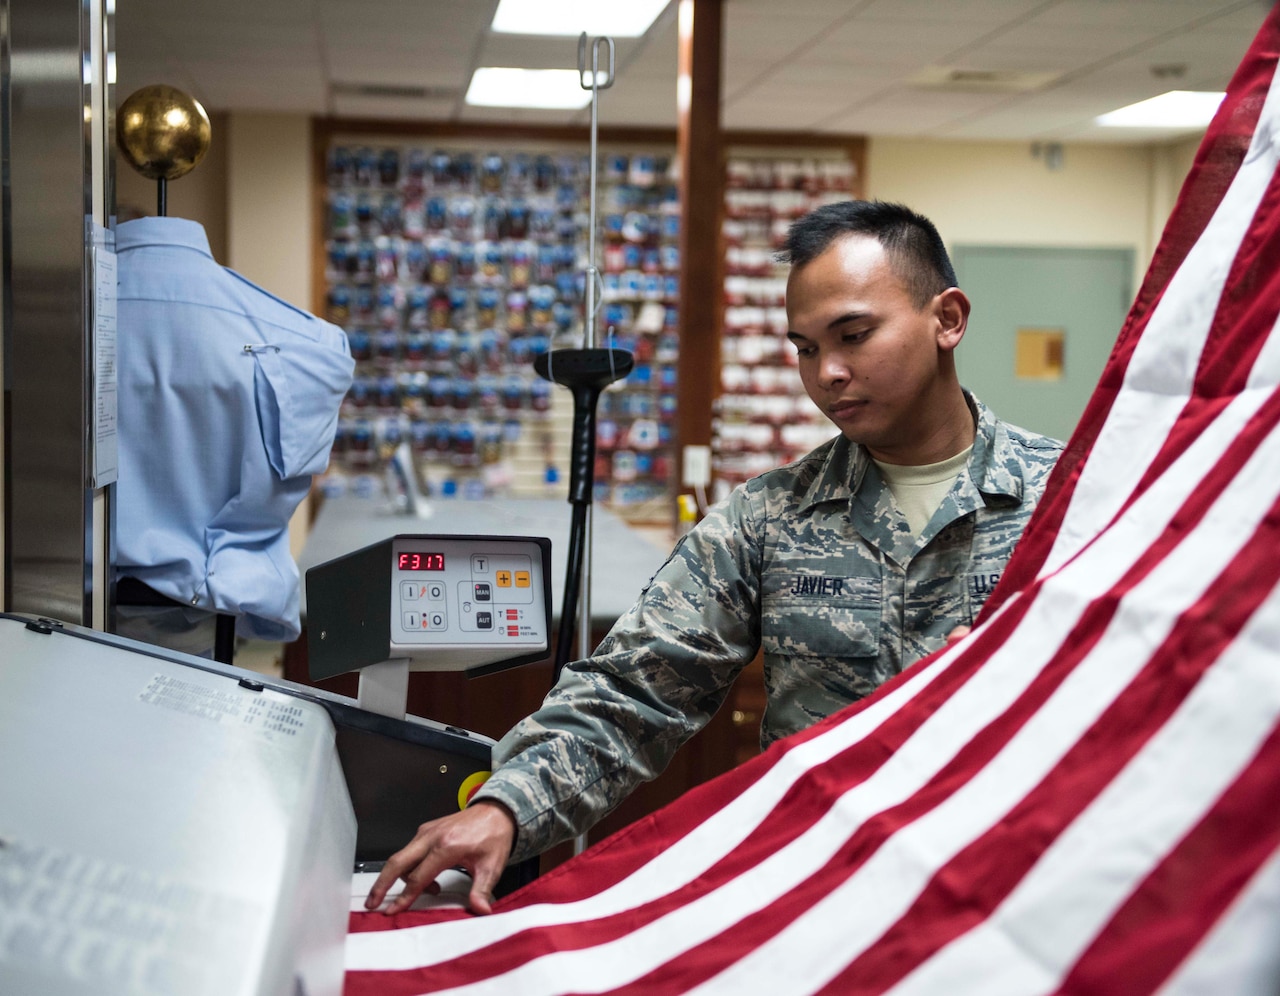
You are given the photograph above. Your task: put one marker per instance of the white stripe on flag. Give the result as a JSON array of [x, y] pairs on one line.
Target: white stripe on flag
[[1163, 366]]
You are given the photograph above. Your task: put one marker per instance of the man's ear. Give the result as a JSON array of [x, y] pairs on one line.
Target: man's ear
[[951, 309]]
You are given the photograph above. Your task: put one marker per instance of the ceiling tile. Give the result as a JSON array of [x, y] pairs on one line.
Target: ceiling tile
[[819, 76], [657, 57], [408, 16], [654, 106], [839, 61], [372, 66], [1064, 48], [807, 107], [774, 35], [928, 15], [373, 107], [776, 115], [1103, 16], [247, 16], [539, 53], [829, 9], [515, 115], [912, 113], [888, 43]]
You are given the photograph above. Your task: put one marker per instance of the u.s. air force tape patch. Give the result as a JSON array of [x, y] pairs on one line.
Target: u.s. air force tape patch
[[982, 585]]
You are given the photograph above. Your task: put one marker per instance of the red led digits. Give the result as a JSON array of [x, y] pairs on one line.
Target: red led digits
[[420, 562]]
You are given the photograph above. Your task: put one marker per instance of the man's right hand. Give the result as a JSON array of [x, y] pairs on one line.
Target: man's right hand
[[478, 840]]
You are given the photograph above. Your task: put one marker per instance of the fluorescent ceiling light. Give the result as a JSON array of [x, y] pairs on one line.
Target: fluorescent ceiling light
[[557, 89], [619, 18], [1175, 109]]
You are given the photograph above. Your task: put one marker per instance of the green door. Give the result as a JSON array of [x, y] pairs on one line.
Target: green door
[[1043, 324]]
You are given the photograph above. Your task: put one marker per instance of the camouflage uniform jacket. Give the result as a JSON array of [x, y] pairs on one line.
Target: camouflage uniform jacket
[[812, 562]]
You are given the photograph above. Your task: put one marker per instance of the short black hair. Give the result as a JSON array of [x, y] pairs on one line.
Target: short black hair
[[911, 242]]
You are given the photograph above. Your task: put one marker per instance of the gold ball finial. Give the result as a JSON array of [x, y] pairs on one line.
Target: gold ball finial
[[162, 132]]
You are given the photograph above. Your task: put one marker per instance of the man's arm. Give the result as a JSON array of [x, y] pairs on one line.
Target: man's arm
[[478, 840], [614, 719]]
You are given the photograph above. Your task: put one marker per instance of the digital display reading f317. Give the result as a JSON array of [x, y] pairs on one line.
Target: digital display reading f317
[[421, 562]]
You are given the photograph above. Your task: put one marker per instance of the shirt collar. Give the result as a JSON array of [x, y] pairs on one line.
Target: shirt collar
[[181, 232], [993, 465]]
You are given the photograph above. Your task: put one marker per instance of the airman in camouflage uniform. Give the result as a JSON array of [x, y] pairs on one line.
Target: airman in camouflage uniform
[[815, 563], [844, 567]]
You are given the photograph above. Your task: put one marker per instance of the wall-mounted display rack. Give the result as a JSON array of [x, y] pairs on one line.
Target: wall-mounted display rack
[[451, 268], [453, 255], [763, 418]]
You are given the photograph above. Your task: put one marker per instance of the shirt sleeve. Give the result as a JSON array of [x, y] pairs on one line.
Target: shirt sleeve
[[616, 718], [298, 390], [249, 572]]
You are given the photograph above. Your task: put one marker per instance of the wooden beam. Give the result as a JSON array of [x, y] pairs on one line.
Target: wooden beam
[[700, 153]]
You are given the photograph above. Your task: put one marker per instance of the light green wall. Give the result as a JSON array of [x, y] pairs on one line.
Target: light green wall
[[1083, 293]]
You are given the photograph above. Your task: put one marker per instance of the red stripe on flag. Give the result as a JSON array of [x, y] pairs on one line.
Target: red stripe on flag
[[1182, 899]]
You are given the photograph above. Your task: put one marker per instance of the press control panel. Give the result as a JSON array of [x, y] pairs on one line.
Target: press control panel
[[438, 602], [467, 592]]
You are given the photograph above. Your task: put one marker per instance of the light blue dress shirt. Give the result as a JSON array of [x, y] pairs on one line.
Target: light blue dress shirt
[[228, 403]]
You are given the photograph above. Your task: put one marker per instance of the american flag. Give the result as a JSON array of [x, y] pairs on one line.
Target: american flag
[[1081, 797]]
